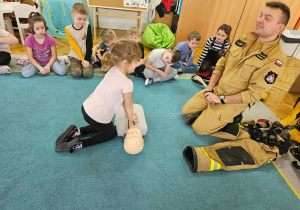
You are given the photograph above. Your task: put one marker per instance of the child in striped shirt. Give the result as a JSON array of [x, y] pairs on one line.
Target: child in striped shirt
[[214, 48]]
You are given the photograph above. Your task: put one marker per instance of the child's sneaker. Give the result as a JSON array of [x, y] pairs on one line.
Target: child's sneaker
[[63, 58], [176, 77], [148, 81], [22, 60], [4, 70], [179, 71]]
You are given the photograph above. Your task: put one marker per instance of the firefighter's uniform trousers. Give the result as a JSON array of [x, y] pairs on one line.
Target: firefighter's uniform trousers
[[243, 153]]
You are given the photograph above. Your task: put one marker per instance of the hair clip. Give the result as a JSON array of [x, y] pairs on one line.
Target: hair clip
[[33, 14]]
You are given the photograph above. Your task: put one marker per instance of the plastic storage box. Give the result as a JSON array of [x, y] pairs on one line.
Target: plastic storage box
[[289, 41], [297, 53]]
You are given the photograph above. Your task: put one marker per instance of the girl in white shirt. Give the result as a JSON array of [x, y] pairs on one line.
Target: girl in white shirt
[[5, 40], [100, 107]]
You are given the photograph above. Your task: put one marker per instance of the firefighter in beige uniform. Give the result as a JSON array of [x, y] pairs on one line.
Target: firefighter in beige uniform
[[249, 68], [244, 74]]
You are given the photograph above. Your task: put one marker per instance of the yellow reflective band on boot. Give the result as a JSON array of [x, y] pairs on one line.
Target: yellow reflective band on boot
[[214, 165]]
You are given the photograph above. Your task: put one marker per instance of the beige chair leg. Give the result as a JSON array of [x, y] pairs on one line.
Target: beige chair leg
[[21, 30]]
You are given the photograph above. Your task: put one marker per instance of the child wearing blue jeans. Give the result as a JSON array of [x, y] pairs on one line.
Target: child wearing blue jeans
[[41, 49], [187, 50]]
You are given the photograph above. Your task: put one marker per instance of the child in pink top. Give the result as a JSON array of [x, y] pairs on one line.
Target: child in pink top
[[99, 108], [41, 49]]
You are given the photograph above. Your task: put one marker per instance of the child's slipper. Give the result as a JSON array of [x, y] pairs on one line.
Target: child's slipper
[[63, 58], [67, 134], [197, 79], [22, 60], [4, 70], [67, 145]]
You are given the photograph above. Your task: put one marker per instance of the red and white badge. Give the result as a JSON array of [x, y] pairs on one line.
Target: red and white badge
[[279, 63], [270, 77]]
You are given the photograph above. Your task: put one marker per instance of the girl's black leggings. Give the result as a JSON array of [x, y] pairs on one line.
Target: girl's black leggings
[[103, 132], [4, 58]]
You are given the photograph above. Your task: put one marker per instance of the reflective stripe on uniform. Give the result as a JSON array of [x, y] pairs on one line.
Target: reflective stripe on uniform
[[214, 165]]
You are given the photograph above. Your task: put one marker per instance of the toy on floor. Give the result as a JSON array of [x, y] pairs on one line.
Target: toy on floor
[[121, 122], [133, 142]]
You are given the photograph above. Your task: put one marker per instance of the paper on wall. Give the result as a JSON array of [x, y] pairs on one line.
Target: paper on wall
[[135, 3]]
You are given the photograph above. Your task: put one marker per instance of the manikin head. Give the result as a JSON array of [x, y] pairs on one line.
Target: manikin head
[[133, 142]]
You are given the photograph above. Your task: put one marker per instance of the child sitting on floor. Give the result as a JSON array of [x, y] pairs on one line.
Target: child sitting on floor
[[187, 50], [158, 65], [41, 49], [213, 51], [135, 34], [101, 58], [5, 40], [80, 38]]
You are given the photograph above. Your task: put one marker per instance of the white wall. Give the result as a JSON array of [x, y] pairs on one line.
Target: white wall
[[120, 23]]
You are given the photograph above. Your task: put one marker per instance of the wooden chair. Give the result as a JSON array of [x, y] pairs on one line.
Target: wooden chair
[[23, 11]]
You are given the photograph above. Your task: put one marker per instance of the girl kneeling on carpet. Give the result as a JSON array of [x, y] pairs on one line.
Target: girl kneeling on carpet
[[99, 108], [41, 49]]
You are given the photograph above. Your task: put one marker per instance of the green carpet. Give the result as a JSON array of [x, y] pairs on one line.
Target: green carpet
[[35, 111]]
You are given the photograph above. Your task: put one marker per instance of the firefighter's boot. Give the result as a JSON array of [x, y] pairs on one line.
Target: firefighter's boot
[[294, 132], [293, 117]]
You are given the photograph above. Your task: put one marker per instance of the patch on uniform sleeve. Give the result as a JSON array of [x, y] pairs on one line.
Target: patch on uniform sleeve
[[279, 63], [261, 56], [224, 54], [240, 43], [271, 77]]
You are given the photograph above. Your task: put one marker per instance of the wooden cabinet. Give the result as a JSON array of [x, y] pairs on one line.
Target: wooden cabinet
[[206, 16], [167, 19]]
